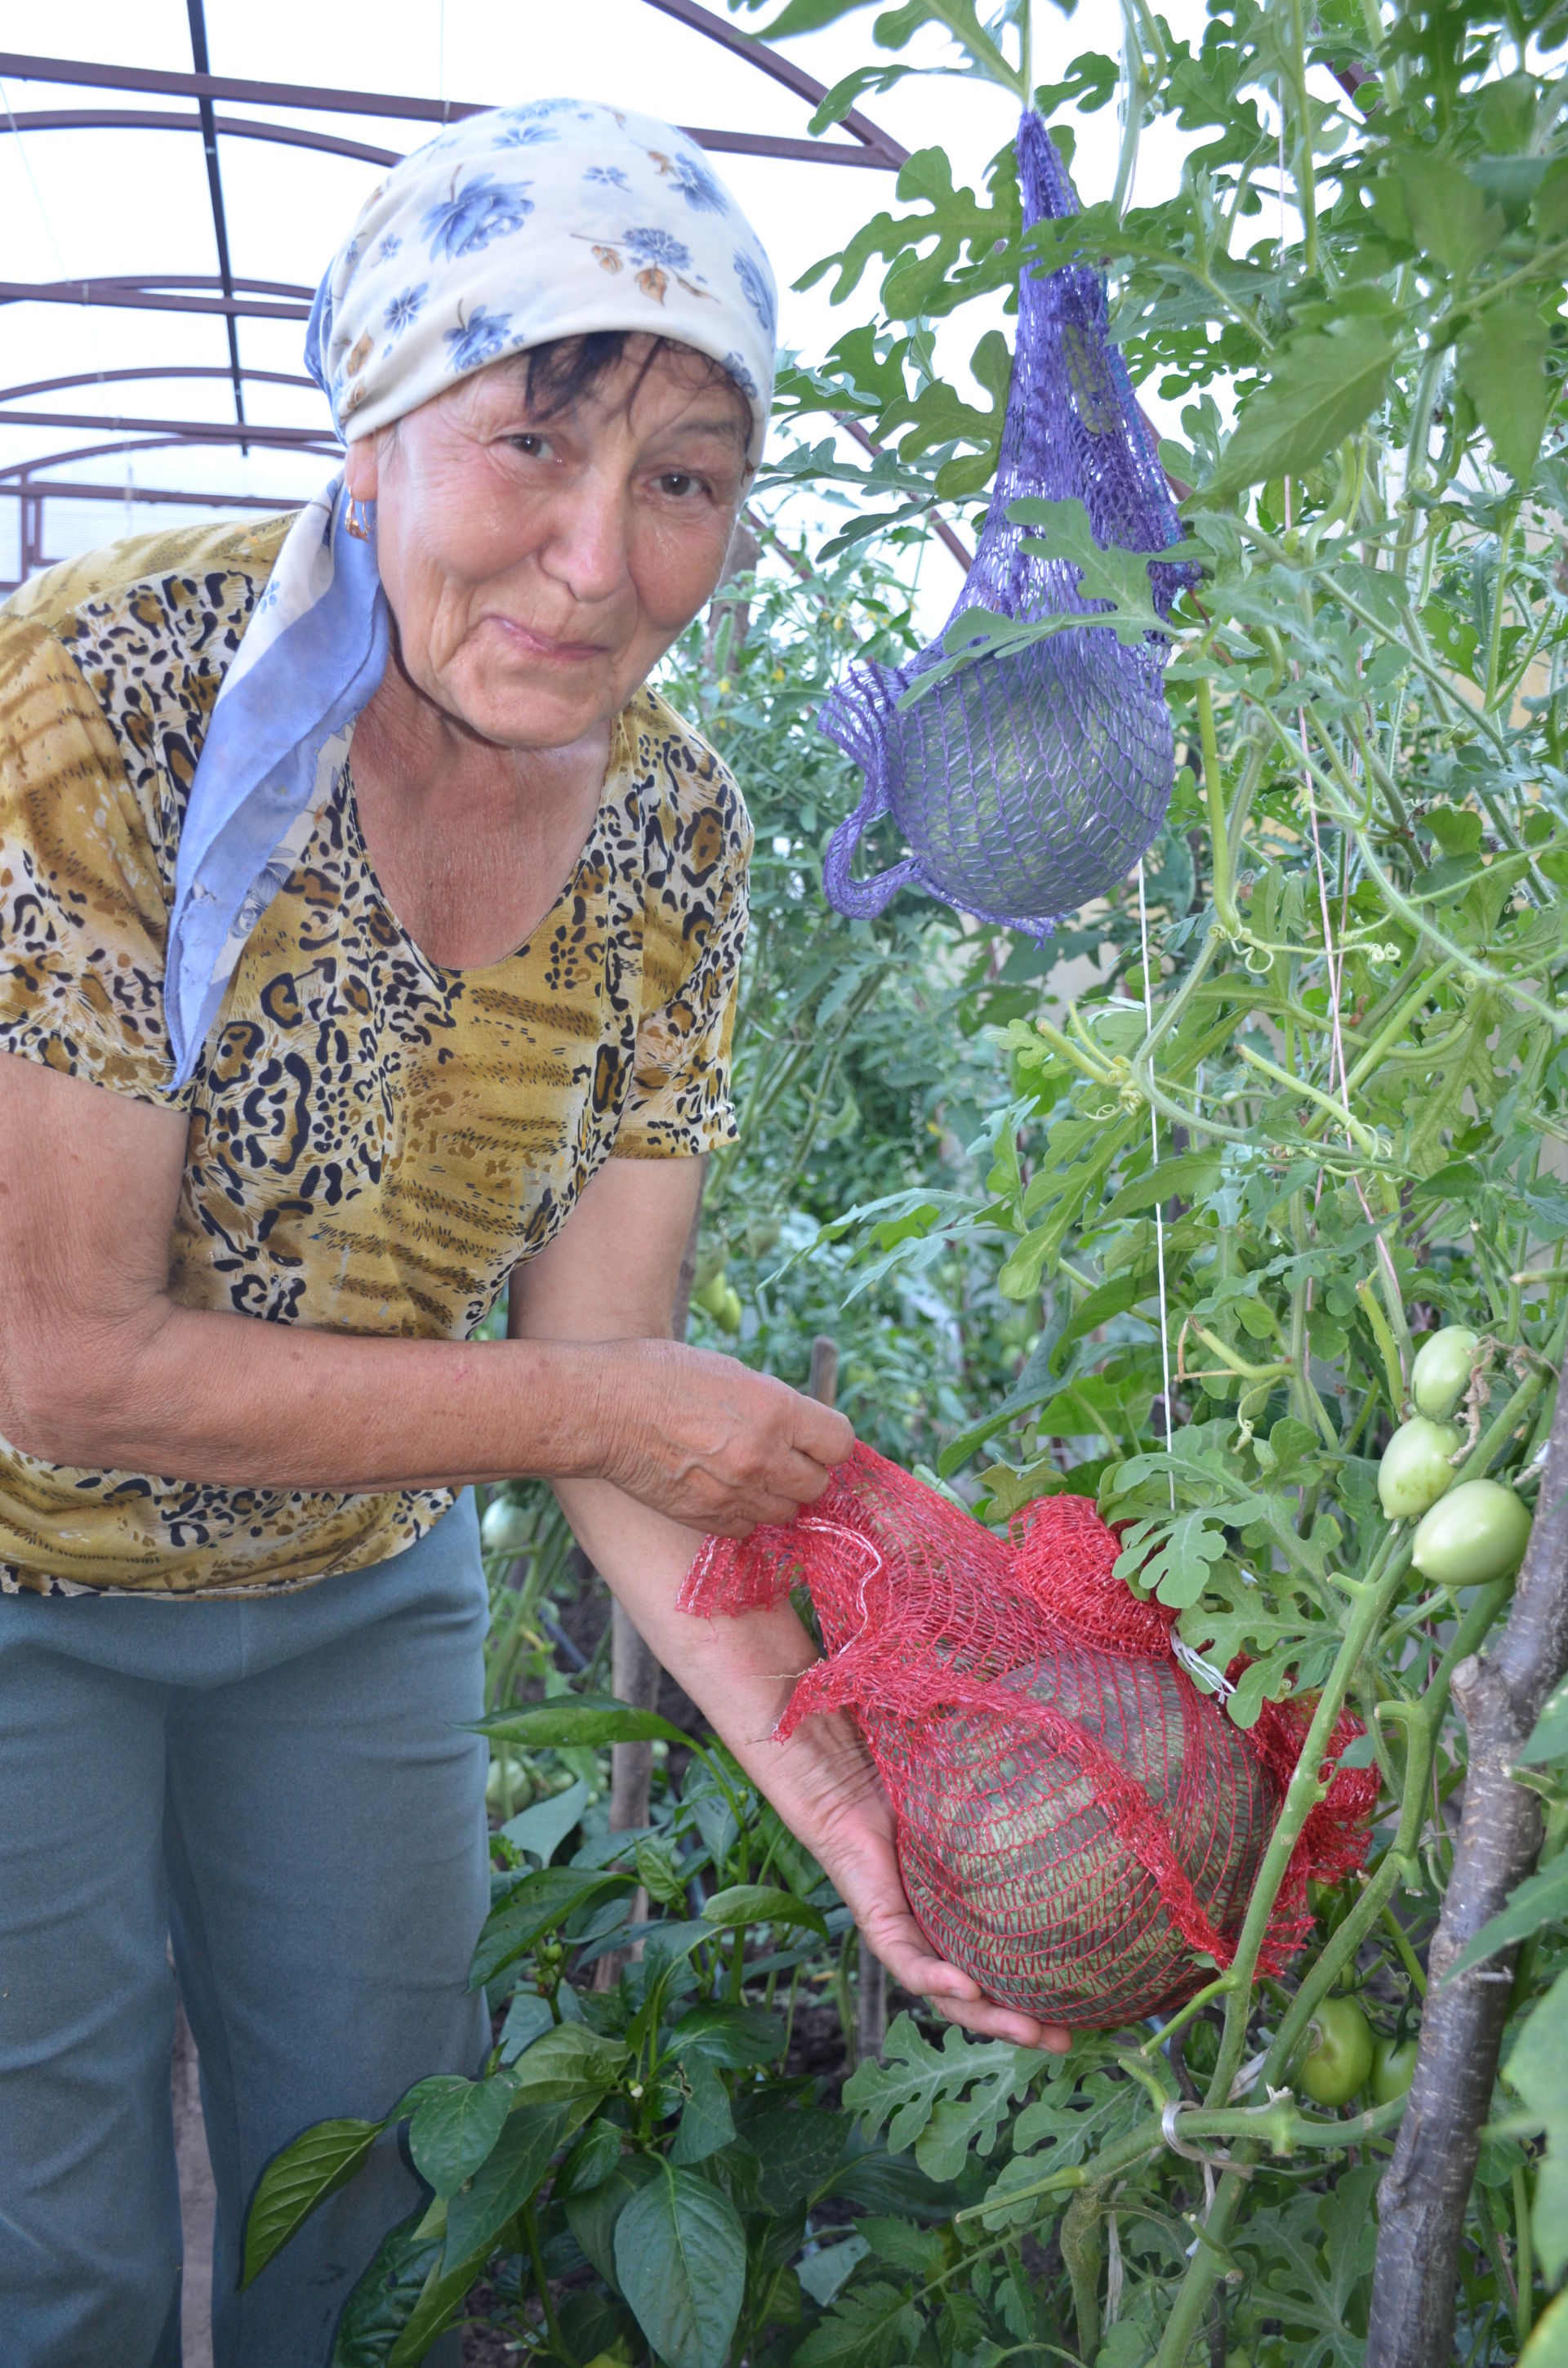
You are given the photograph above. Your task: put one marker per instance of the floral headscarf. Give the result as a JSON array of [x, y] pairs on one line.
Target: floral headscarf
[[513, 228]]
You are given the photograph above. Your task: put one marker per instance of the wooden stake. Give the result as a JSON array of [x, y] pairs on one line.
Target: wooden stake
[[1424, 2191]]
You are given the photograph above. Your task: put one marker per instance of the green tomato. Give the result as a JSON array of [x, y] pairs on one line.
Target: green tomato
[[710, 1295], [1440, 1375], [495, 1791], [727, 1311], [506, 1529], [1415, 1469], [1478, 1531], [1394, 2068], [1340, 2057]]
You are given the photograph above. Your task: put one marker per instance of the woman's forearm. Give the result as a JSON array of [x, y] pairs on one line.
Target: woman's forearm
[[740, 1672], [236, 1402]]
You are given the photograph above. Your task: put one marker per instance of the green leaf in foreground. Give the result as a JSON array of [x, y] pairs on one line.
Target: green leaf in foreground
[[480, 2209], [759, 1903], [1326, 386], [1538, 2069], [1550, 1739], [383, 2301], [303, 2175], [568, 2063], [1542, 1899], [920, 2092], [1502, 367], [541, 1829], [680, 2258], [1106, 572], [870, 2328], [453, 2132], [533, 1906], [591, 1719], [593, 2213], [707, 2122], [439, 2302], [731, 2037], [1548, 2347]]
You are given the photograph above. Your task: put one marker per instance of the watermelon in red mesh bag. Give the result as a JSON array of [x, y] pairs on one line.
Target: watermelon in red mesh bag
[[1079, 1827]]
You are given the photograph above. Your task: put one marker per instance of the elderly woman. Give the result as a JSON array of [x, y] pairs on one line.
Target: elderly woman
[[369, 937]]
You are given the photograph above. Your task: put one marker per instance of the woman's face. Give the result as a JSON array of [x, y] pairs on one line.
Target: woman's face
[[538, 568]]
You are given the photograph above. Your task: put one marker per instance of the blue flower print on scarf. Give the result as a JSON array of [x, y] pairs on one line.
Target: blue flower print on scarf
[[754, 286], [405, 309], [698, 188], [735, 365], [658, 247], [524, 135], [472, 216], [478, 340], [610, 175], [392, 245]]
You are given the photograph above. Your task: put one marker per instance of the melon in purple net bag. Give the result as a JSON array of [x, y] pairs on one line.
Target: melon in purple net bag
[[1033, 779], [1079, 1828]]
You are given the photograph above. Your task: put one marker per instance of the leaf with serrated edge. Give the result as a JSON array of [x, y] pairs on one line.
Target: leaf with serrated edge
[[1328, 386], [909, 2090], [1502, 367]]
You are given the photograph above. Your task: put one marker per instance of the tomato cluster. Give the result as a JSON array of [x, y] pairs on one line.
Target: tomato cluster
[[1468, 1534]]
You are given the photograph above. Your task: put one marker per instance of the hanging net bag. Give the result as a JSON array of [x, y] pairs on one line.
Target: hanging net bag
[[1025, 785], [1079, 1828]]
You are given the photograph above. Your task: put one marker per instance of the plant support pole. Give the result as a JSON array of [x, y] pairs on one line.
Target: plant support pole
[[1421, 2204]]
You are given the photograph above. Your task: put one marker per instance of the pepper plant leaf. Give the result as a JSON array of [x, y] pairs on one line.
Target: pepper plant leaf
[[680, 2256]]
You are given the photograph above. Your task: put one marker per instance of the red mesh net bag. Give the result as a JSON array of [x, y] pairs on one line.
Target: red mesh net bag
[[1078, 1826]]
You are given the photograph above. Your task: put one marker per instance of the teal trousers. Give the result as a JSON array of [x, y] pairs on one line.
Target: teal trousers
[[284, 1789]]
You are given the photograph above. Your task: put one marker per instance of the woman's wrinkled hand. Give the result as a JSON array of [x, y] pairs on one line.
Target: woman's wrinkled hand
[[706, 1442], [824, 1787]]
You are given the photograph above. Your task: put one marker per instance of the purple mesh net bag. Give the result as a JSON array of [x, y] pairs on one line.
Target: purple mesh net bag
[[1024, 785]]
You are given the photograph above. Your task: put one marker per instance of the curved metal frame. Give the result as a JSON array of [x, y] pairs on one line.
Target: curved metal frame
[[234, 299]]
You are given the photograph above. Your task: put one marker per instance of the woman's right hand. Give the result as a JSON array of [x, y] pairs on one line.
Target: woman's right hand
[[705, 1441]]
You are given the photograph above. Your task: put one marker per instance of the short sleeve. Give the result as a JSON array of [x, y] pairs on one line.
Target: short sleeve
[[83, 904], [695, 933]]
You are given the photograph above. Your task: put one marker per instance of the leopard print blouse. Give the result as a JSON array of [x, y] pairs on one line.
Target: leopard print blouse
[[374, 1142]]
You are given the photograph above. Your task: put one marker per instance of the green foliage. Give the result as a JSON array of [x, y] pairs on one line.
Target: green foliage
[[313, 2168], [944, 2101], [680, 2258], [1310, 1104], [854, 1080], [1161, 1225], [646, 2138]]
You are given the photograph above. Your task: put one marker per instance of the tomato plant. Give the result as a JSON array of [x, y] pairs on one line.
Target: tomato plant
[[1394, 2068], [1340, 2053], [1285, 1178], [1286, 1175]]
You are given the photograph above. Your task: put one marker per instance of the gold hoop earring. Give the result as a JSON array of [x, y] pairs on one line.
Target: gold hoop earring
[[358, 527]]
